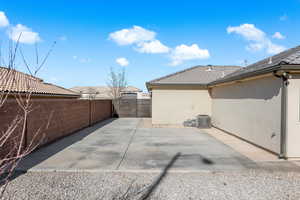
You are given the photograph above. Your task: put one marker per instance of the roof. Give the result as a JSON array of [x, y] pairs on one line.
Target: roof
[[90, 89], [101, 92], [212, 75], [14, 81], [131, 89], [272, 63], [198, 75]]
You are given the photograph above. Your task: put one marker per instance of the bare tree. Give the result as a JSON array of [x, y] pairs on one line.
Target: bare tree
[[117, 82], [13, 137], [91, 92]]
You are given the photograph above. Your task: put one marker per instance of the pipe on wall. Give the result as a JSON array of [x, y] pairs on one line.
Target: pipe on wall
[[284, 77]]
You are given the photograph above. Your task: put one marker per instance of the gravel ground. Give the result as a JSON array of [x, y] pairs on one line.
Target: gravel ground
[[256, 184]]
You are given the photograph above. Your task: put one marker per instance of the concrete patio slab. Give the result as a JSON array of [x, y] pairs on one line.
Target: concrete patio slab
[[252, 152], [99, 147], [127, 144]]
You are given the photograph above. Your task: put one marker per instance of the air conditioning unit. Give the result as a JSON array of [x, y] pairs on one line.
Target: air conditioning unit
[[203, 121]]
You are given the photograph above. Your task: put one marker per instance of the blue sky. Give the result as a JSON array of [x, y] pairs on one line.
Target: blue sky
[[152, 38]]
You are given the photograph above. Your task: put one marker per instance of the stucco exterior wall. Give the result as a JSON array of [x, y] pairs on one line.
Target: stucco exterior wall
[[293, 117], [175, 106], [250, 110]]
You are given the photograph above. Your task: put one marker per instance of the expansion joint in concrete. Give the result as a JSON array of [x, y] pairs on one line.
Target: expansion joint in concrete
[[129, 143]]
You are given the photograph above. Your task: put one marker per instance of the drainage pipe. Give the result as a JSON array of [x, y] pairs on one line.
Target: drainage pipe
[[284, 76]]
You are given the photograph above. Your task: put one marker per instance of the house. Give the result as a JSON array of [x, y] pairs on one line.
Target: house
[[104, 92], [259, 103], [185, 94], [16, 82]]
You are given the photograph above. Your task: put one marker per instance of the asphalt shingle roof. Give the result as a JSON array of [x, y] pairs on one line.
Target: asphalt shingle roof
[[18, 82], [211, 75], [200, 75], [288, 57]]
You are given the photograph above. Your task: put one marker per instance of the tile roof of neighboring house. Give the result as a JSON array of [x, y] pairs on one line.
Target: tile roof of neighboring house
[[18, 82], [101, 92], [199, 75], [90, 89], [288, 57], [131, 89]]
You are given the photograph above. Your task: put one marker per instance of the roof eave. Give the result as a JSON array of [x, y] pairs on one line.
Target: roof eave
[[290, 67], [44, 94], [280, 66], [247, 75], [150, 85]]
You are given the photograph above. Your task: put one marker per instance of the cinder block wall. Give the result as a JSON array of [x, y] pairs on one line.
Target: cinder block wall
[[52, 118], [100, 110], [8, 115]]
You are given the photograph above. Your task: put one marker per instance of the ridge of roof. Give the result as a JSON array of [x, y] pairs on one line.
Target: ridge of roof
[[172, 74], [290, 56], [51, 84], [287, 53], [14, 81], [189, 69], [104, 88]]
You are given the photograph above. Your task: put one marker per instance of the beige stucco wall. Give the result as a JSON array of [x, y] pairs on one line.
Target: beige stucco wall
[[175, 106], [293, 117], [250, 110]]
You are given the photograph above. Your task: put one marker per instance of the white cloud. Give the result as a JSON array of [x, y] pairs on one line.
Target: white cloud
[[257, 38], [134, 35], [278, 35], [154, 46], [184, 52], [3, 20], [26, 35], [248, 31], [122, 61], [144, 40]]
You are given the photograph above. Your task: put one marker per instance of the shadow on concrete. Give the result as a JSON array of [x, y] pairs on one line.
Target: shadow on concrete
[[51, 149], [163, 174]]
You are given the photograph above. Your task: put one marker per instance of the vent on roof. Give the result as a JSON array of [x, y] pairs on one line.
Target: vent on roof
[[223, 74], [270, 60], [209, 69]]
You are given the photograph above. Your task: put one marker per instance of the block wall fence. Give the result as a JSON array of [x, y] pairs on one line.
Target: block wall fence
[[52, 118]]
